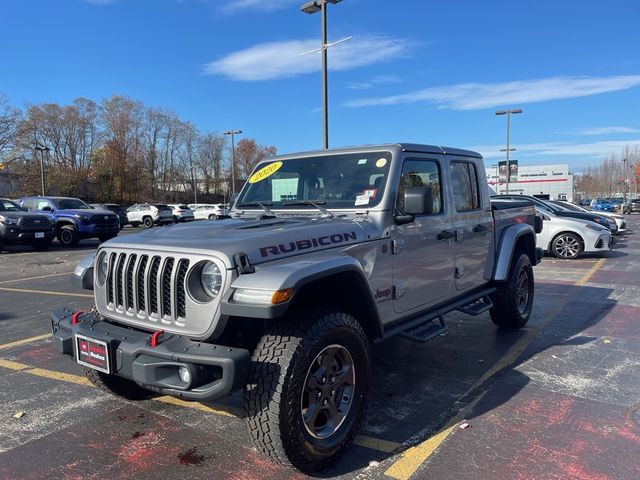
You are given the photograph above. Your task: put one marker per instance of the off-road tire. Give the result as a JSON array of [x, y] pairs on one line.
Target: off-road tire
[[67, 236], [118, 386], [280, 367], [509, 310], [147, 222], [573, 246]]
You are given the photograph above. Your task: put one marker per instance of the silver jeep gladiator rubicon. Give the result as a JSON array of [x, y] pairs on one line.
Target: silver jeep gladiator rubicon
[[325, 252]]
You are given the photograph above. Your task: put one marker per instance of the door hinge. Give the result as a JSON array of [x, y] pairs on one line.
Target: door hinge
[[397, 246]]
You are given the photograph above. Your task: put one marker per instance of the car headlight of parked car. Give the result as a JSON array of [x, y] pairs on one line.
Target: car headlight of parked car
[[9, 220], [82, 218], [595, 227], [211, 279]]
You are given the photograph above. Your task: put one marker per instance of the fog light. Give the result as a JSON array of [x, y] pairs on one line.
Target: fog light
[[185, 374]]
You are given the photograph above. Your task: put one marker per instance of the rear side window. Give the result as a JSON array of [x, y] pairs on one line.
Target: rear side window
[[465, 186]]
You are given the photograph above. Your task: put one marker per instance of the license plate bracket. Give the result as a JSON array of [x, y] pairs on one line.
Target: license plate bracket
[[93, 353]]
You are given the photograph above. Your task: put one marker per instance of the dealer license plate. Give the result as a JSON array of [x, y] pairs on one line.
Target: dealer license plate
[[92, 353], [39, 234]]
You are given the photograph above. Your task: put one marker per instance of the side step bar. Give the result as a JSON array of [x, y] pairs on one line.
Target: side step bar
[[431, 324], [425, 332]]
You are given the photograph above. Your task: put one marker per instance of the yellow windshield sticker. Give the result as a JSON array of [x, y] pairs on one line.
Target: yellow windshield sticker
[[381, 162], [265, 172]]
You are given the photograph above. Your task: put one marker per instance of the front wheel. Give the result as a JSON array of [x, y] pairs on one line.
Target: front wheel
[[513, 299], [307, 389], [147, 222], [68, 236], [567, 245]]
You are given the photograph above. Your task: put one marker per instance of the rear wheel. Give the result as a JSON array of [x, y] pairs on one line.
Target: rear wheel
[[118, 386], [212, 216], [135, 224], [307, 389], [513, 299], [567, 245], [147, 222], [68, 236]]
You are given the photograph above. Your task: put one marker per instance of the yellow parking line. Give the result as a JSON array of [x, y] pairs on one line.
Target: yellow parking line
[[415, 456], [17, 343], [226, 412], [376, 443], [8, 364], [45, 292], [587, 276], [4, 282], [62, 377]]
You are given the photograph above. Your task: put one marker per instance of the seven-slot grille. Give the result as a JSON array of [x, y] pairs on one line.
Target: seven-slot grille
[[35, 223], [150, 286]]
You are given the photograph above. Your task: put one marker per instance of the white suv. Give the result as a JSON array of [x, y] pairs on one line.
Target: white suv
[[149, 214], [181, 212], [210, 211]]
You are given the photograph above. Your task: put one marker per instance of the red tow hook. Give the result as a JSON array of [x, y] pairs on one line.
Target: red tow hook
[[155, 338], [75, 316]]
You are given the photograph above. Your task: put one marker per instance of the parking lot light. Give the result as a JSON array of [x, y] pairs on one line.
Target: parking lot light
[[508, 113]]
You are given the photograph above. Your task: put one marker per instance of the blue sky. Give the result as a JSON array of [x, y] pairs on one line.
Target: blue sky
[[415, 71]]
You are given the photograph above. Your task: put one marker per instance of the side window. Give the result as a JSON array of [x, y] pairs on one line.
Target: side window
[[465, 186], [421, 173], [40, 204]]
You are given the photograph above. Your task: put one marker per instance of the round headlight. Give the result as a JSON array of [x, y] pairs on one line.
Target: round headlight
[[211, 279], [103, 267]]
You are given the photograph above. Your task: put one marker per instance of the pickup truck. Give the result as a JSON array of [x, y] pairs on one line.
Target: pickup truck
[[75, 220], [325, 253]]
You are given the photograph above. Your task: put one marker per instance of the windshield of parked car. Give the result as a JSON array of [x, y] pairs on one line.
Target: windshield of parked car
[[71, 204], [353, 180], [9, 206], [571, 207]]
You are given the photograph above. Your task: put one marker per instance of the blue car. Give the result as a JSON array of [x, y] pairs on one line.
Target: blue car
[[74, 219], [603, 205]]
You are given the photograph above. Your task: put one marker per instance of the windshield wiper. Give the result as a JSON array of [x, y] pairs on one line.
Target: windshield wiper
[[262, 205], [317, 204]]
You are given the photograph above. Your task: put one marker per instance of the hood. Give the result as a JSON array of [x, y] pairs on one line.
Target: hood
[[88, 213], [26, 215], [261, 240]]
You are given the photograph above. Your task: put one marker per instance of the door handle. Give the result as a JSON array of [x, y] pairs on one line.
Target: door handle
[[446, 235], [480, 229]]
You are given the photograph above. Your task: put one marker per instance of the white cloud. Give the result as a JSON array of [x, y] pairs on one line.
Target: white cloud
[[99, 2], [607, 130], [585, 150], [474, 96], [268, 61], [370, 83], [238, 6], [359, 85]]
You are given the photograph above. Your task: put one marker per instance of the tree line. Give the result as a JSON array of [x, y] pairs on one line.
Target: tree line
[[617, 174], [118, 150]]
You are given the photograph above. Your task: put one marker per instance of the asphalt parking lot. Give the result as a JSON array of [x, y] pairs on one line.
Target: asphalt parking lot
[[558, 399]]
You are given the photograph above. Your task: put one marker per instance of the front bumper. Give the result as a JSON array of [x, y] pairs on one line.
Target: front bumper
[[216, 370], [15, 234]]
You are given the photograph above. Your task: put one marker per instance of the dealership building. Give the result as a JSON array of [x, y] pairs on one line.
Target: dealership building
[[551, 182]]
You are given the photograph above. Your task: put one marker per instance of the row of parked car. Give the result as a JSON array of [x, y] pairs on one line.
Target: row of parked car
[[570, 230], [38, 220]]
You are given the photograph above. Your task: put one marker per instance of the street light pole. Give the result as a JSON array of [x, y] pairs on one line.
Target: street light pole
[[312, 7], [233, 158], [42, 150], [508, 113]]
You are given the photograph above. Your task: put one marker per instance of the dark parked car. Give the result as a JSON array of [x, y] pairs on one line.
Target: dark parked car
[[115, 208], [75, 220], [19, 226], [634, 206], [546, 205]]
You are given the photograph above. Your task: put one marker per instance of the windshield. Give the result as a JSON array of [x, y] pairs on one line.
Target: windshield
[[335, 181], [9, 206], [571, 207], [71, 204]]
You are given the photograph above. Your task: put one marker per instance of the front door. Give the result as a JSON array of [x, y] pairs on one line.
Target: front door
[[424, 251]]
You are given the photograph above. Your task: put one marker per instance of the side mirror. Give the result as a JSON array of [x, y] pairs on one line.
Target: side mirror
[[418, 200], [545, 217], [47, 209]]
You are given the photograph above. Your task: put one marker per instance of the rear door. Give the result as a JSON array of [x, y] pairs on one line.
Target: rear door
[[423, 259], [472, 223]]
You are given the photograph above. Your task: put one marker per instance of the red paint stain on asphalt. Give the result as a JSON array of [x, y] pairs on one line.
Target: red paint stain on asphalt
[[577, 471], [562, 412], [145, 451]]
